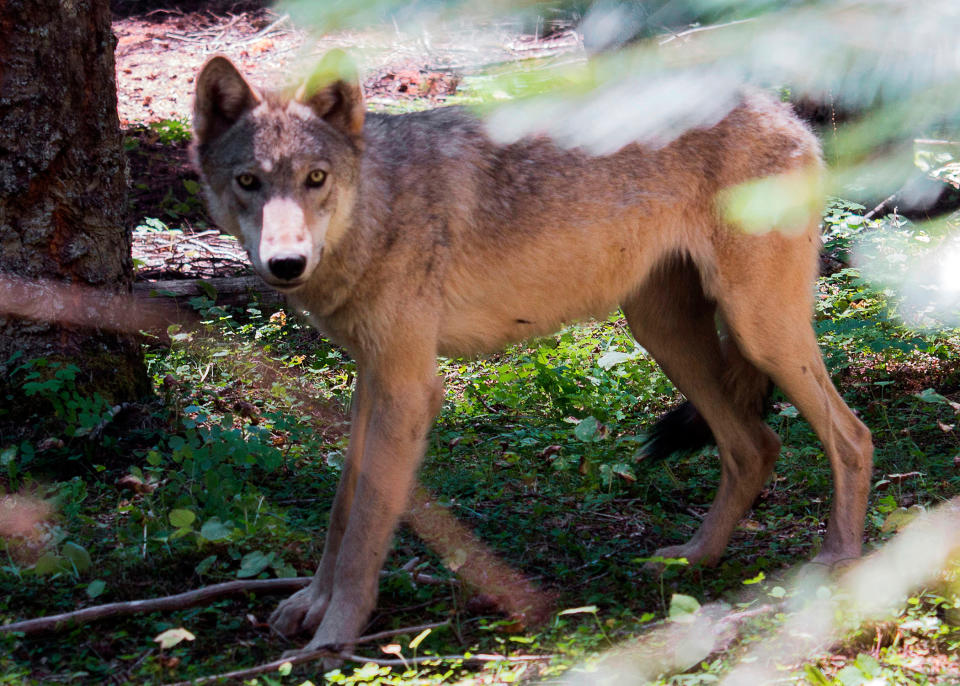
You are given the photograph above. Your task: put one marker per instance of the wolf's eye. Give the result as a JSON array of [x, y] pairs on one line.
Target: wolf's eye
[[248, 182], [316, 178]]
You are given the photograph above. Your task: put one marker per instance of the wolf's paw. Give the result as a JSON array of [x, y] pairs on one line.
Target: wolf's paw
[[835, 562], [692, 553], [303, 611], [328, 638], [826, 567]]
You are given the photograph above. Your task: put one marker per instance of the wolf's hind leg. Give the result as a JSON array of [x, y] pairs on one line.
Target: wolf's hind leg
[[304, 610], [770, 317], [673, 319]]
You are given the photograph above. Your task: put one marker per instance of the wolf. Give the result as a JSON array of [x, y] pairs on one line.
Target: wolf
[[410, 236]]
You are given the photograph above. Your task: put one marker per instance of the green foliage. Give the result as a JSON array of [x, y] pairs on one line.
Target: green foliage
[[860, 314], [72, 559], [56, 383], [208, 461], [175, 205], [579, 399], [171, 131]]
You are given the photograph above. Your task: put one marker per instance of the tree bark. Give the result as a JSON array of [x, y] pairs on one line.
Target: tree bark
[[63, 183]]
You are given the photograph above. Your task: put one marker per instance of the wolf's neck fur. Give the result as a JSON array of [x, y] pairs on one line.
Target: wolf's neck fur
[[407, 197]]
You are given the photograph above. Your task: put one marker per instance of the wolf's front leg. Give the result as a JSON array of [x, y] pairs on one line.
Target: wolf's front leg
[[406, 395], [304, 610]]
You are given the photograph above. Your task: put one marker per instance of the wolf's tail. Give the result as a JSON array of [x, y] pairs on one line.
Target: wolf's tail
[[684, 429]]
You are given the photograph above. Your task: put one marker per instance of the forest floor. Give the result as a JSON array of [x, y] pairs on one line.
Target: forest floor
[[228, 474]]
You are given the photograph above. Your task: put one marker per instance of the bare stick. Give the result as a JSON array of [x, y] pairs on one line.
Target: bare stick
[[701, 29], [170, 602], [876, 210], [180, 601], [332, 654], [390, 633]]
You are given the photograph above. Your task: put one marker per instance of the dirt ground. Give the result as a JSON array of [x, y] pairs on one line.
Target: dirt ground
[[159, 52]]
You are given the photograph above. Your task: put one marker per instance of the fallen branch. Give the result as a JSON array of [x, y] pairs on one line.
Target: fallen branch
[[883, 204], [180, 601], [700, 29], [390, 633], [383, 662], [418, 577], [171, 602]]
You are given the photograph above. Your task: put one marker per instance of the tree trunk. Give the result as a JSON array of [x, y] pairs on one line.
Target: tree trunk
[[63, 183]]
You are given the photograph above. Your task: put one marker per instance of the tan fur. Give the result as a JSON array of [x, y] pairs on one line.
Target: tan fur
[[427, 238]]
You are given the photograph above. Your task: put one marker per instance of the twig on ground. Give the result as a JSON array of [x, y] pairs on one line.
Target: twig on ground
[[212, 36], [171, 602], [177, 12], [390, 633], [701, 29], [180, 601], [273, 28], [876, 210], [344, 655]]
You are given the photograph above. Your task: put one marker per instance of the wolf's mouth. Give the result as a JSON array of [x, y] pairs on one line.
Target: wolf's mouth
[[285, 286]]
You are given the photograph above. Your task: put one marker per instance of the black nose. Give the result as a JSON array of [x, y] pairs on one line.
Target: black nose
[[287, 268]]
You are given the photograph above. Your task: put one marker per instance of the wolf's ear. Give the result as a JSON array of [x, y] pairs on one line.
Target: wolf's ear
[[223, 96], [333, 92]]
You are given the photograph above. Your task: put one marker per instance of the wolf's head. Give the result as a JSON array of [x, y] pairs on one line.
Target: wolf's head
[[280, 170]]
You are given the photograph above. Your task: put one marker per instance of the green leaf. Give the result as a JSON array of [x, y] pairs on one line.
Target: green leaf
[[285, 669], [282, 570], [612, 358], [789, 411], [6, 457], [455, 559], [172, 637], [205, 564], [624, 471], [95, 588], [899, 518], [583, 609], [587, 430], [192, 186], [77, 554], [815, 676], [755, 580], [851, 676], [180, 533], [207, 288], [182, 519], [928, 395], [215, 530], [683, 608], [49, 563], [254, 563], [868, 665]]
